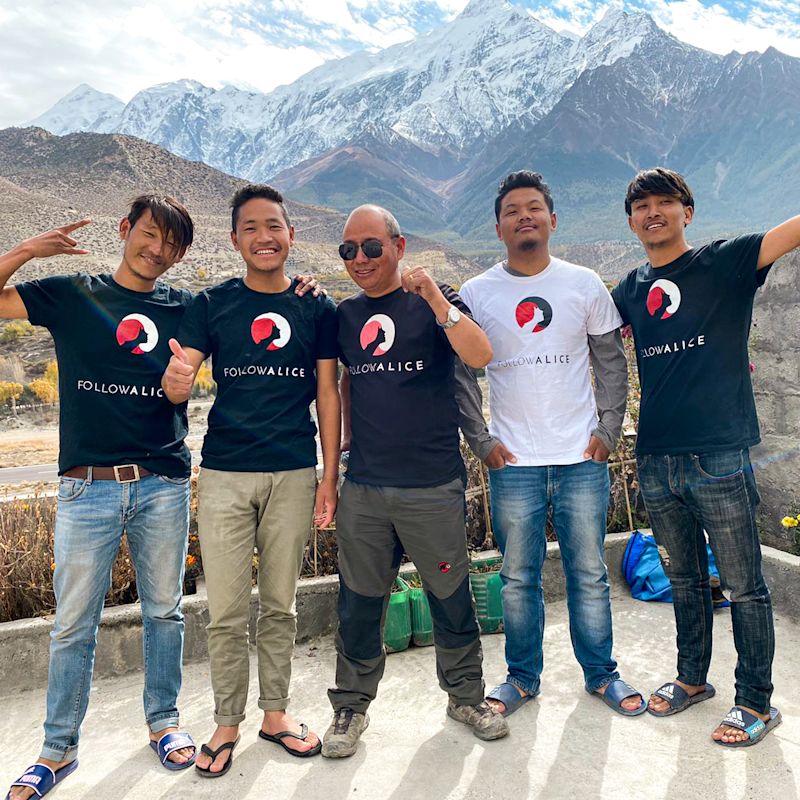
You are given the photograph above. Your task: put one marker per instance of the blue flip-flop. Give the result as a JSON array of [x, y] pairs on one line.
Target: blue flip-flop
[[678, 698], [42, 779], [616, 692], [755, 728], [169, 743], [508, 694]]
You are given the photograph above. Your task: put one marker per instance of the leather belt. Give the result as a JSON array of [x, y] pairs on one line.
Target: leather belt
[[124, 473]]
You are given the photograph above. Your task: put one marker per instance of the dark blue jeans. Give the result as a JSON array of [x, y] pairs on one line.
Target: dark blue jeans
[[685, 494]]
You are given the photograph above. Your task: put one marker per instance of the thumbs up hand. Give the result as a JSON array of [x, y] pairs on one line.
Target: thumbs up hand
[[179, 376]]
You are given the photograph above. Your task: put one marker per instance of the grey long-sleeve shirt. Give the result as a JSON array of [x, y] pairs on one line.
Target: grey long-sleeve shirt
[[610, 368]]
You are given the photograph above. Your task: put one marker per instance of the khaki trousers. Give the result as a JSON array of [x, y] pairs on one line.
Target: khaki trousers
[[238, 511]]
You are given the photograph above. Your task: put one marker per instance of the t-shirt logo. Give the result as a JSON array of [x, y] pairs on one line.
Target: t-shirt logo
[[534, 310], [271, 328], [137, 334], [663, 299], [377, 335]]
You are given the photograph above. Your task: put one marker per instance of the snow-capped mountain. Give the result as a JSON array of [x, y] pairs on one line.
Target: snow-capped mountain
[[83, 109], [455, 87], [429, 125]]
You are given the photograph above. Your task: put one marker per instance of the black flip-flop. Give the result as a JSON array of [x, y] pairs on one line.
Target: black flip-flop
[[212, 754], [678, 699], [277, 738]]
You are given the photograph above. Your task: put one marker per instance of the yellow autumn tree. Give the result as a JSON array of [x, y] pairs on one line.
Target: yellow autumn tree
[[46, 387], [10, 392]]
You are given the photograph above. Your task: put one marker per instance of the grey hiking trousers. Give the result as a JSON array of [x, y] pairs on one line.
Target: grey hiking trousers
[[374, 525]]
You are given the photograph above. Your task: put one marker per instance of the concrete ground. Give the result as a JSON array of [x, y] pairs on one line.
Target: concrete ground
[[565, 744]]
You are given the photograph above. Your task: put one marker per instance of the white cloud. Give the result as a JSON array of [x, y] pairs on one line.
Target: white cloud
[[46, 48]]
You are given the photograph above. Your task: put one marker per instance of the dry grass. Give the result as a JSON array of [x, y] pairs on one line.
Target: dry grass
[[25, 448], [27, 565]]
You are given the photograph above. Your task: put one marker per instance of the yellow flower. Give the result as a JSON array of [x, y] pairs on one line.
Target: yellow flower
[[790, 522]]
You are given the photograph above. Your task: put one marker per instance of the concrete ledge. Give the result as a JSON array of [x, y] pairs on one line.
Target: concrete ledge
[[24, 644]]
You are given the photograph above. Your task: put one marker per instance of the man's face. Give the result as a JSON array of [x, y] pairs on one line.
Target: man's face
[[376, 276], [147, 254], [525, 220], [659, 220], [262, 236]]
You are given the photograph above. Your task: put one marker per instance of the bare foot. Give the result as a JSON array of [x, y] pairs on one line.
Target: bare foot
[[178, 756], [223, 734], [632, 703], [725, 733], [661, 706], [499, 707], [24, 792], [277, 721]]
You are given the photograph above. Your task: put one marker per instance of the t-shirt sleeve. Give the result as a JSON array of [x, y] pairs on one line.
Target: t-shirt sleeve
[[46, 300], [602, 315], [454, 298], [618, 296], [193, 331], [737, 259], [327, 345]]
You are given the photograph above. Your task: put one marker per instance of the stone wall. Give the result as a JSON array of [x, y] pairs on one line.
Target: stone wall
[[775, 352]]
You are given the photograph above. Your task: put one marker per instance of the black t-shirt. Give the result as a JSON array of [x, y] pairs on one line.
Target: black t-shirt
[[691, 320], [403, 412], [112, 349], [264, 350]]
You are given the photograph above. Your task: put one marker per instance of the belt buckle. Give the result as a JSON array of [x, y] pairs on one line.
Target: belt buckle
[[134, 470]]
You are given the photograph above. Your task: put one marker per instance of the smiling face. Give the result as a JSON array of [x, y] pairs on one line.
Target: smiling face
[[525, 222], [148, 253], [376, 276], [659, 221], [262, 235]]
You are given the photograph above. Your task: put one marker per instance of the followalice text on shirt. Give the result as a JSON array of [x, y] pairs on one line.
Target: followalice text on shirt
[[522, 361], [120, 388], [257, 369], [673, 347], [388, 366]]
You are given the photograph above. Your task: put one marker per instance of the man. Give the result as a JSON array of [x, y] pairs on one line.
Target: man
[[545, 319], [123, 466], [690, 311], [404, 487], [272, 354]]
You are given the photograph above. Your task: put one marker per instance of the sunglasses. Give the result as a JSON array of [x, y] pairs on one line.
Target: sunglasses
[[371, 248]]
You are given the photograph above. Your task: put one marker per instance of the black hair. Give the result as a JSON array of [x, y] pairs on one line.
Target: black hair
[[169, 215], [525, 178], [252, 190], [658, 180]]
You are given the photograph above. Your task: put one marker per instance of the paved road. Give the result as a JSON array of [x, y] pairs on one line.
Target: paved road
[[564, 746]]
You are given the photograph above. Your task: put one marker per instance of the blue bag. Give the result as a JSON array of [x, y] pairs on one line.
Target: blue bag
[[641, 566]]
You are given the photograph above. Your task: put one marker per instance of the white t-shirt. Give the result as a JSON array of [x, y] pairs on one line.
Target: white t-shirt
[[540, 392]]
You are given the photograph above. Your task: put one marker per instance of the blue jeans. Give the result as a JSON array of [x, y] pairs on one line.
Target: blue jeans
[[578, 495], [92, 515], [685, 494]]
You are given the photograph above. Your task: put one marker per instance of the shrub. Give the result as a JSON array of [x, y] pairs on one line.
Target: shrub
[[15, 330]]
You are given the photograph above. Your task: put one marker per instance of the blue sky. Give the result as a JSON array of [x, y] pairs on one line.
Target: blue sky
[[46, 49]]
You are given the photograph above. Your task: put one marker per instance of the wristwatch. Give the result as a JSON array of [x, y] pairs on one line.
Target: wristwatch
[[453, 318]]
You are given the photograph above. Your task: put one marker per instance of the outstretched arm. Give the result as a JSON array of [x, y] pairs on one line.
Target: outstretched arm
[[779, 241], [52, 243]]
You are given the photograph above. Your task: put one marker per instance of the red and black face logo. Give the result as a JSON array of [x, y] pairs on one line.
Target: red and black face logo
[[534, 314], [377, 335], [137, 334], [444, 566], [271, 328], [663, 299]]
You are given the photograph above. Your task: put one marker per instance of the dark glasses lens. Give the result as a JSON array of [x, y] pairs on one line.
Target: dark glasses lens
[[371, 248]]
